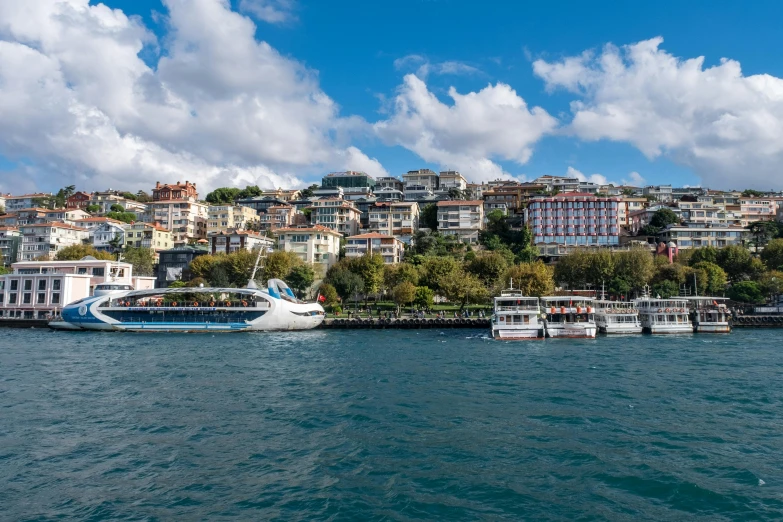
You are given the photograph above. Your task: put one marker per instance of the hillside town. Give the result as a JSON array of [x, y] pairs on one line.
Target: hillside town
[[56, 247]]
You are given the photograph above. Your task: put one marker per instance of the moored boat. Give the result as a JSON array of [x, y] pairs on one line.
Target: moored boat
[[664, 316], [617, 317], [710, 314], [516, 317], [569, 316]]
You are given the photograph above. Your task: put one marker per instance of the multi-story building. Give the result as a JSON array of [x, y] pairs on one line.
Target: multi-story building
[[641, 218], [63, 215], [462, 218], [417, 192], [511, 195], [179, 191], [280, 216], [37, 289], [146, 235], [92, 223], [10, 240], [108, 236], [78, 200], [14, 203], [389, 247], [46, 239], [316, 244], [186, 219], [107, 199], [174, 264], [628, 205], [281, 194], [389, 182], [389, 188], [230, 217], [395, 219], [661, 193], [348, 179], [451, 179], [701, 212], [29, 216], [679, 192], [233, 241], [573, 218], [558, 183], [337, 214], [697, 235], [758, 209], [421, 178], [261, 203]]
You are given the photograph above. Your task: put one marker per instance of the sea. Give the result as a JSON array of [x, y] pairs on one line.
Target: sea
[[389, 425]]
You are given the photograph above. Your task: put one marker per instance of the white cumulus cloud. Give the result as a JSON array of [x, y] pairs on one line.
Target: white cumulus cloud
[[727, 126], [79, 105], [470, 134]]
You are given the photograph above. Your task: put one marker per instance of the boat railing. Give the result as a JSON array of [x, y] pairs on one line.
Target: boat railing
[[517, 308]]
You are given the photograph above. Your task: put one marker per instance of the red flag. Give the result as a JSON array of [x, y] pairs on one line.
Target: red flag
[[321, 298]]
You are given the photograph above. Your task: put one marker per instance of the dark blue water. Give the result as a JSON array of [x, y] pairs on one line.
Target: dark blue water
[[389, 425]]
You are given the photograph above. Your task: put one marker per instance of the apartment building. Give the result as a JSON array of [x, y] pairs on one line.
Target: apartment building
[[421, 178], [232, 241], [14, 203], [389, 182], [261, 203], [512, 196], [46, 239], [348, 179], [389, 247], [629, 205], [462, 218], [697, 235], [64, 215], [558, 183], [105, 200], [573, 218], [316, 244], [337, 214], [661, 193], [78, 200], [280, 216], [187, 220], [758, 209], [146, 235], [92, 223], [701, 212], [178, 191], [641, 218], [451, 179], [399, 219], [10, 241], [281, 194], [108, 236], [230, 217]]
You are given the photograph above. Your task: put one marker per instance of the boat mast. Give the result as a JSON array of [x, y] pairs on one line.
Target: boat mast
[[252, 282]]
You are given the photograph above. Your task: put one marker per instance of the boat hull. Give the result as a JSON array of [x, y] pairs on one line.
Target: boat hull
[[658, 329], [620, 330], [712, 328], [518, 335], [572, 332]]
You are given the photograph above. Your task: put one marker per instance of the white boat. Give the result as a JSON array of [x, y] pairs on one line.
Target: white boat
[[617, 317], [193, 310], [516, 317], [664, 316], [710, 314], [569, 316]]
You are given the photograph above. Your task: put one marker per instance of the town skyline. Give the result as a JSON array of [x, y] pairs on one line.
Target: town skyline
[[119, 94]]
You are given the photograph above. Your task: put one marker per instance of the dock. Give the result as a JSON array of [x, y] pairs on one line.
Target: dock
[[403, 323]]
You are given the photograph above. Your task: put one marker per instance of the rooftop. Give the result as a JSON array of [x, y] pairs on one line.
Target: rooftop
[[458, 202]]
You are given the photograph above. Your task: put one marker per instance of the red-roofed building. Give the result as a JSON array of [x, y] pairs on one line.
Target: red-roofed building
[[389, 247], [461, 218], [78, 200]]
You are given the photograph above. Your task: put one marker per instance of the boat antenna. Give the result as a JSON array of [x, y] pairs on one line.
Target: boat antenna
[[512, 284], [603, 290], [695, 285], [252, 282]]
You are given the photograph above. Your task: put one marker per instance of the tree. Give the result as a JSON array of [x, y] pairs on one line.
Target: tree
[[300, 278], [346, 283], [399, 273], [532, 279], [771, 283], [772, 255], [736, 261], [425, 297], [129, 195], [143, 197], [222, 196], [746, 292], [488, 267], [250, 191], [634, 267], [666, 289], [698, 255], [403, 294], [370, 268], [762, 232], [456, 194], [125, 217], [177, 284], [498, 235], [4, 270], [600, 268], [750, 193], [61, 198], [308, 192], [435, 269], [462, 288], [329, 293], [142, 259], [116, 242], [429, 216], [278, 265], [202, 266], [92, 208], [117, 208], [571, 269], [715, 283], [76, 252]]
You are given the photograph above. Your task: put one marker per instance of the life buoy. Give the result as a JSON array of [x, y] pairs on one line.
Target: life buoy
[[589, 309], [552, 310], [244, 303], [228, 303], [668, 310], [562, 310], [127, 303], [660, 310], [579, 309], [212, 303], [195, 303], [174, 303]]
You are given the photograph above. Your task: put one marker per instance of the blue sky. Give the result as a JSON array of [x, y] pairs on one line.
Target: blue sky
[[356, 53]]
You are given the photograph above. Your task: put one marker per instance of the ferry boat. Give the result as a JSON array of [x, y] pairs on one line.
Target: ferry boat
[[710, 314], [617, 317], [569, 316], [193, 310], [664, 316], [516, 317]]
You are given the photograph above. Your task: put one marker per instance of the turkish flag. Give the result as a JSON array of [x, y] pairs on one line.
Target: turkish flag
[[321, 298]]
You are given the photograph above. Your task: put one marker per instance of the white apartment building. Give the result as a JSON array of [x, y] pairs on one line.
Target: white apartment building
[[104, 235], [421, 178], [337, 214], [695, 235], [230, 217], [105, 200], [417, 192], [14, 203], [389, 247], [701, 213], [10, 242], [758, 209], [462, 218], [46, 239], [389, 182], [662, 193], [451, 179], [186, 219], [36, 289], [394, 219], [92, 223], [628, 205], [63, 215], [279, 216], [317, 244], [558, 183], [233, 241]]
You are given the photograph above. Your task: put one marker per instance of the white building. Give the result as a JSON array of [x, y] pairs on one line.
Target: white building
[[558, 183], [462, 218], [451, 179], [337, 214], [394, 219], [36, 289], [317, 244], [697, 235], [104, 235], [46, 239], [14, 203], [186, 219], [661, 193], [389, 247], [230, 217], [233, 241], [10, 242]]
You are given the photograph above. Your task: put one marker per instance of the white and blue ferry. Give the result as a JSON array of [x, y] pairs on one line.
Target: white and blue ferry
[[193, 310]]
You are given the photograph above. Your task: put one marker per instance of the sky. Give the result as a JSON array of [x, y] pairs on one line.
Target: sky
[[124, 93]]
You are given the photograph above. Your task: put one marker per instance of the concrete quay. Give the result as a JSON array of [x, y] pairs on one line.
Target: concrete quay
[[403, 323]]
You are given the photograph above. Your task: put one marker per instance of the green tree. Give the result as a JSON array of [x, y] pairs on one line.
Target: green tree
[[143, 197], [309, 191], [202, 266], [736, 261], [772, 255], [664, 217], [142, 259], [600, 268], [699, 255], [222, 196], [771, 283], [125, 217], [76, 252], [403, 294], [177, 284], [116, 243], [462, 288], [129, 195], [346, 283], [666, 289], [329, 293], [715, 283], [532, 279], [301, 278], [4, 270], [435, 269], [425, 297], [571, 269], [117, 208], [750, 193], [746, 292], [250, 191], [762, 232], [634, 267], [488, 267], [429, 216], [399, 273], [92, 208], [370, 268], [278, 265]]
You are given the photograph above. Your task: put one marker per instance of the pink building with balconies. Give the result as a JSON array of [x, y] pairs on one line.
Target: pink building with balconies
[[575, 218]]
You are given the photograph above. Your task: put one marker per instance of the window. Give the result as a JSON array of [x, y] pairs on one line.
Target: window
[[27, 298], [81, 270], [28, 284], [42, 284], [98, 271], [11, 298], [41, 298]]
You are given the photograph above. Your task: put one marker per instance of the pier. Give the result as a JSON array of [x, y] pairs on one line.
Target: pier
[[403, 323]]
